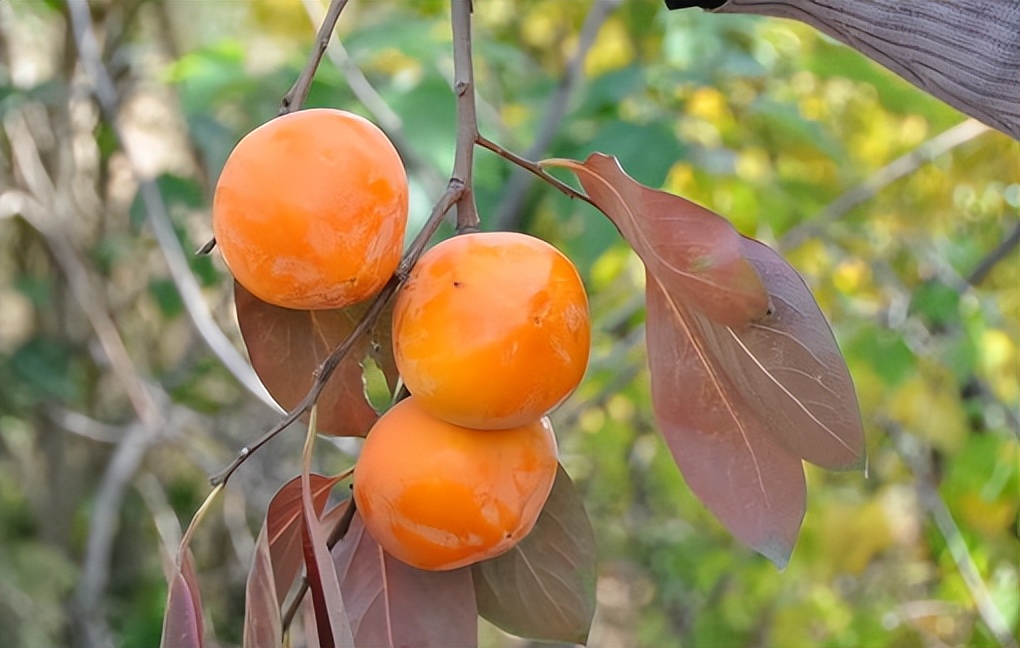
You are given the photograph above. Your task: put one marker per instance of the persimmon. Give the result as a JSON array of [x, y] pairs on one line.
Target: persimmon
[[310, 210], [440, 496], [491, 330]]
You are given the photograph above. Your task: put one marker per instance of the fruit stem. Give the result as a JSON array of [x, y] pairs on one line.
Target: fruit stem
[[467, 120]]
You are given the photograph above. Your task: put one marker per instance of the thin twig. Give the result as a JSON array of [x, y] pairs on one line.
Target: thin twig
[[158, 217], [328, 366], [467, 120], [295, 97], [387, 119], [915, 457], [898, 168], [1000, 252], [534, 168], [509, 211]]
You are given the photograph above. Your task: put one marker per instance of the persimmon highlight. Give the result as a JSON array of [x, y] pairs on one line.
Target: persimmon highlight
[[439, 496], [491, 330], [310, 210]]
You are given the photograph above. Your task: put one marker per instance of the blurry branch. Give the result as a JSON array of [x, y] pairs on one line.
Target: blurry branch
[[159, 219], [895, 170], [84, 426], [918, 458], [509, 213], [999, 253], [381, 112], [295, 97], [168, 527], [43, 211], [467, 119]]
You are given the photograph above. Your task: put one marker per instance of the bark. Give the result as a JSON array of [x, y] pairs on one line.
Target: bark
[[965, 52]]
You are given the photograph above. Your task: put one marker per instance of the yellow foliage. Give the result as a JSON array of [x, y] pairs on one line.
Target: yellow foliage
[[284, 18], [851, 275], [999, 361], [928, 405], [612, 50]]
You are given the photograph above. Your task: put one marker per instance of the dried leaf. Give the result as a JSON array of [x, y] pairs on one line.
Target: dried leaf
[[286, 347], [695, 254], [730, 461], [544, 588], [182, 622], [393, 604]]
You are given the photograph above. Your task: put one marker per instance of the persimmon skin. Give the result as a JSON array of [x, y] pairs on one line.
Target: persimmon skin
[[491, 330], [310, 210], [439, 496]]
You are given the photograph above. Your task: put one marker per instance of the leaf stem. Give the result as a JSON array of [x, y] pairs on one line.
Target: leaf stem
[[533, 167]]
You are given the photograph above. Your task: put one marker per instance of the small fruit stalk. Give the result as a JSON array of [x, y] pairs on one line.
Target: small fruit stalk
[[490, 332]]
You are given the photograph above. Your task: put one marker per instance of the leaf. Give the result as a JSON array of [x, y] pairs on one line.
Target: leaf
[[391, 603], [332, 625], [695, 254], [745, 477], [283, 526], [544, 588], [278, 557], [263, 625], [789, 370], [182, 622], [286, 346]]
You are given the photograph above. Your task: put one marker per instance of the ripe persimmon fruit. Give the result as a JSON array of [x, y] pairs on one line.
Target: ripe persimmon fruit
[[491, 330], [310, 210], [439, 496]]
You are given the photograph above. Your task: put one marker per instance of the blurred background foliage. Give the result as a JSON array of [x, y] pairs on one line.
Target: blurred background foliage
[[783, 131]]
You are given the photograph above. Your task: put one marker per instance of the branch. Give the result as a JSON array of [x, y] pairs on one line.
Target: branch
[[295, 97], [928, 492], [898, 168], [326, 368], [158, 217], [1000, 252], [467, 120], [508, 214], [388, 120]]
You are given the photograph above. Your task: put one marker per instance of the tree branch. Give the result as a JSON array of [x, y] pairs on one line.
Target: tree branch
[[534, 168], [895, 170], [298, 93], [158, 217], [916, 457], [992, 259], [509, 212], [467, 120], [326, 368]]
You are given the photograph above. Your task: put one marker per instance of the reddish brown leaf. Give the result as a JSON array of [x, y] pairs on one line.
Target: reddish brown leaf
[[695, 254], [728, 458], [286, 346], [332, 624], [283, 528], [263, 625], [393, 604], [544, 588], [278, 557], [182, 622]]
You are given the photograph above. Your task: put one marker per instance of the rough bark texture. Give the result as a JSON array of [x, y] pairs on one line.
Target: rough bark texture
[[965, 52]]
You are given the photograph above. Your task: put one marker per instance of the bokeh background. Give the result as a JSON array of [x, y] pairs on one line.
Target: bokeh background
[[122, 380]]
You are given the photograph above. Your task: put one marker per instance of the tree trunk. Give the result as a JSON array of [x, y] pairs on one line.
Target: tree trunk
[[965, 52]]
